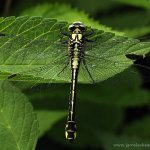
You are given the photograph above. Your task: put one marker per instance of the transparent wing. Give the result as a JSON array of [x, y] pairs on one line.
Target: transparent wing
[[45, 57], [106, 56], [20, 54], [33, 43]]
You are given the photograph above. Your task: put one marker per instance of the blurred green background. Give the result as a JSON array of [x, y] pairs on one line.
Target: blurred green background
[[110, 114]]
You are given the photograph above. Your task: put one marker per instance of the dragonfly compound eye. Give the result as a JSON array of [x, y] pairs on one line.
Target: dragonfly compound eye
[[70, 131], [75, 25]]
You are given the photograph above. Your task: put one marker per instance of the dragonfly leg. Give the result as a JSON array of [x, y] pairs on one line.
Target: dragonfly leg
[[86, 67], [63, 68], [88, 40], [64, 42], [90, 32], [64, 33], [12, 76], [2, 34], [61, 37]]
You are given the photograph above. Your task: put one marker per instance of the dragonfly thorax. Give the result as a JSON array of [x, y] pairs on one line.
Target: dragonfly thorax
[[77, 29], [76, 37]]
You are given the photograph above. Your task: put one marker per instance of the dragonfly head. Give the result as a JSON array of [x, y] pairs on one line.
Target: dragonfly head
[[77, 26], [70, 131]]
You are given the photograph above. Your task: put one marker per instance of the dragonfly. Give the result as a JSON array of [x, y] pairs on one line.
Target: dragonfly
[[84, 56]]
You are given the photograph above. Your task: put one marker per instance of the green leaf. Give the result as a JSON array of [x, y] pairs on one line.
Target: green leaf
[[95, 6], [129, 22], [111, 141], [62, 12], [124, 90], [139, 128], [90, 117], [49, 111], [18, 123], [85, 125], [22, 5], [139, 3], [35, 53], [48, 118]]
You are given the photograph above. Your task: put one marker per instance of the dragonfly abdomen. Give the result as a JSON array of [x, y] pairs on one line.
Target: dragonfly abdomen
[[70, 129]]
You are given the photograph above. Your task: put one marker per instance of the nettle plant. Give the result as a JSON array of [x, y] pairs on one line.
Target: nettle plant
[[32, 50]]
